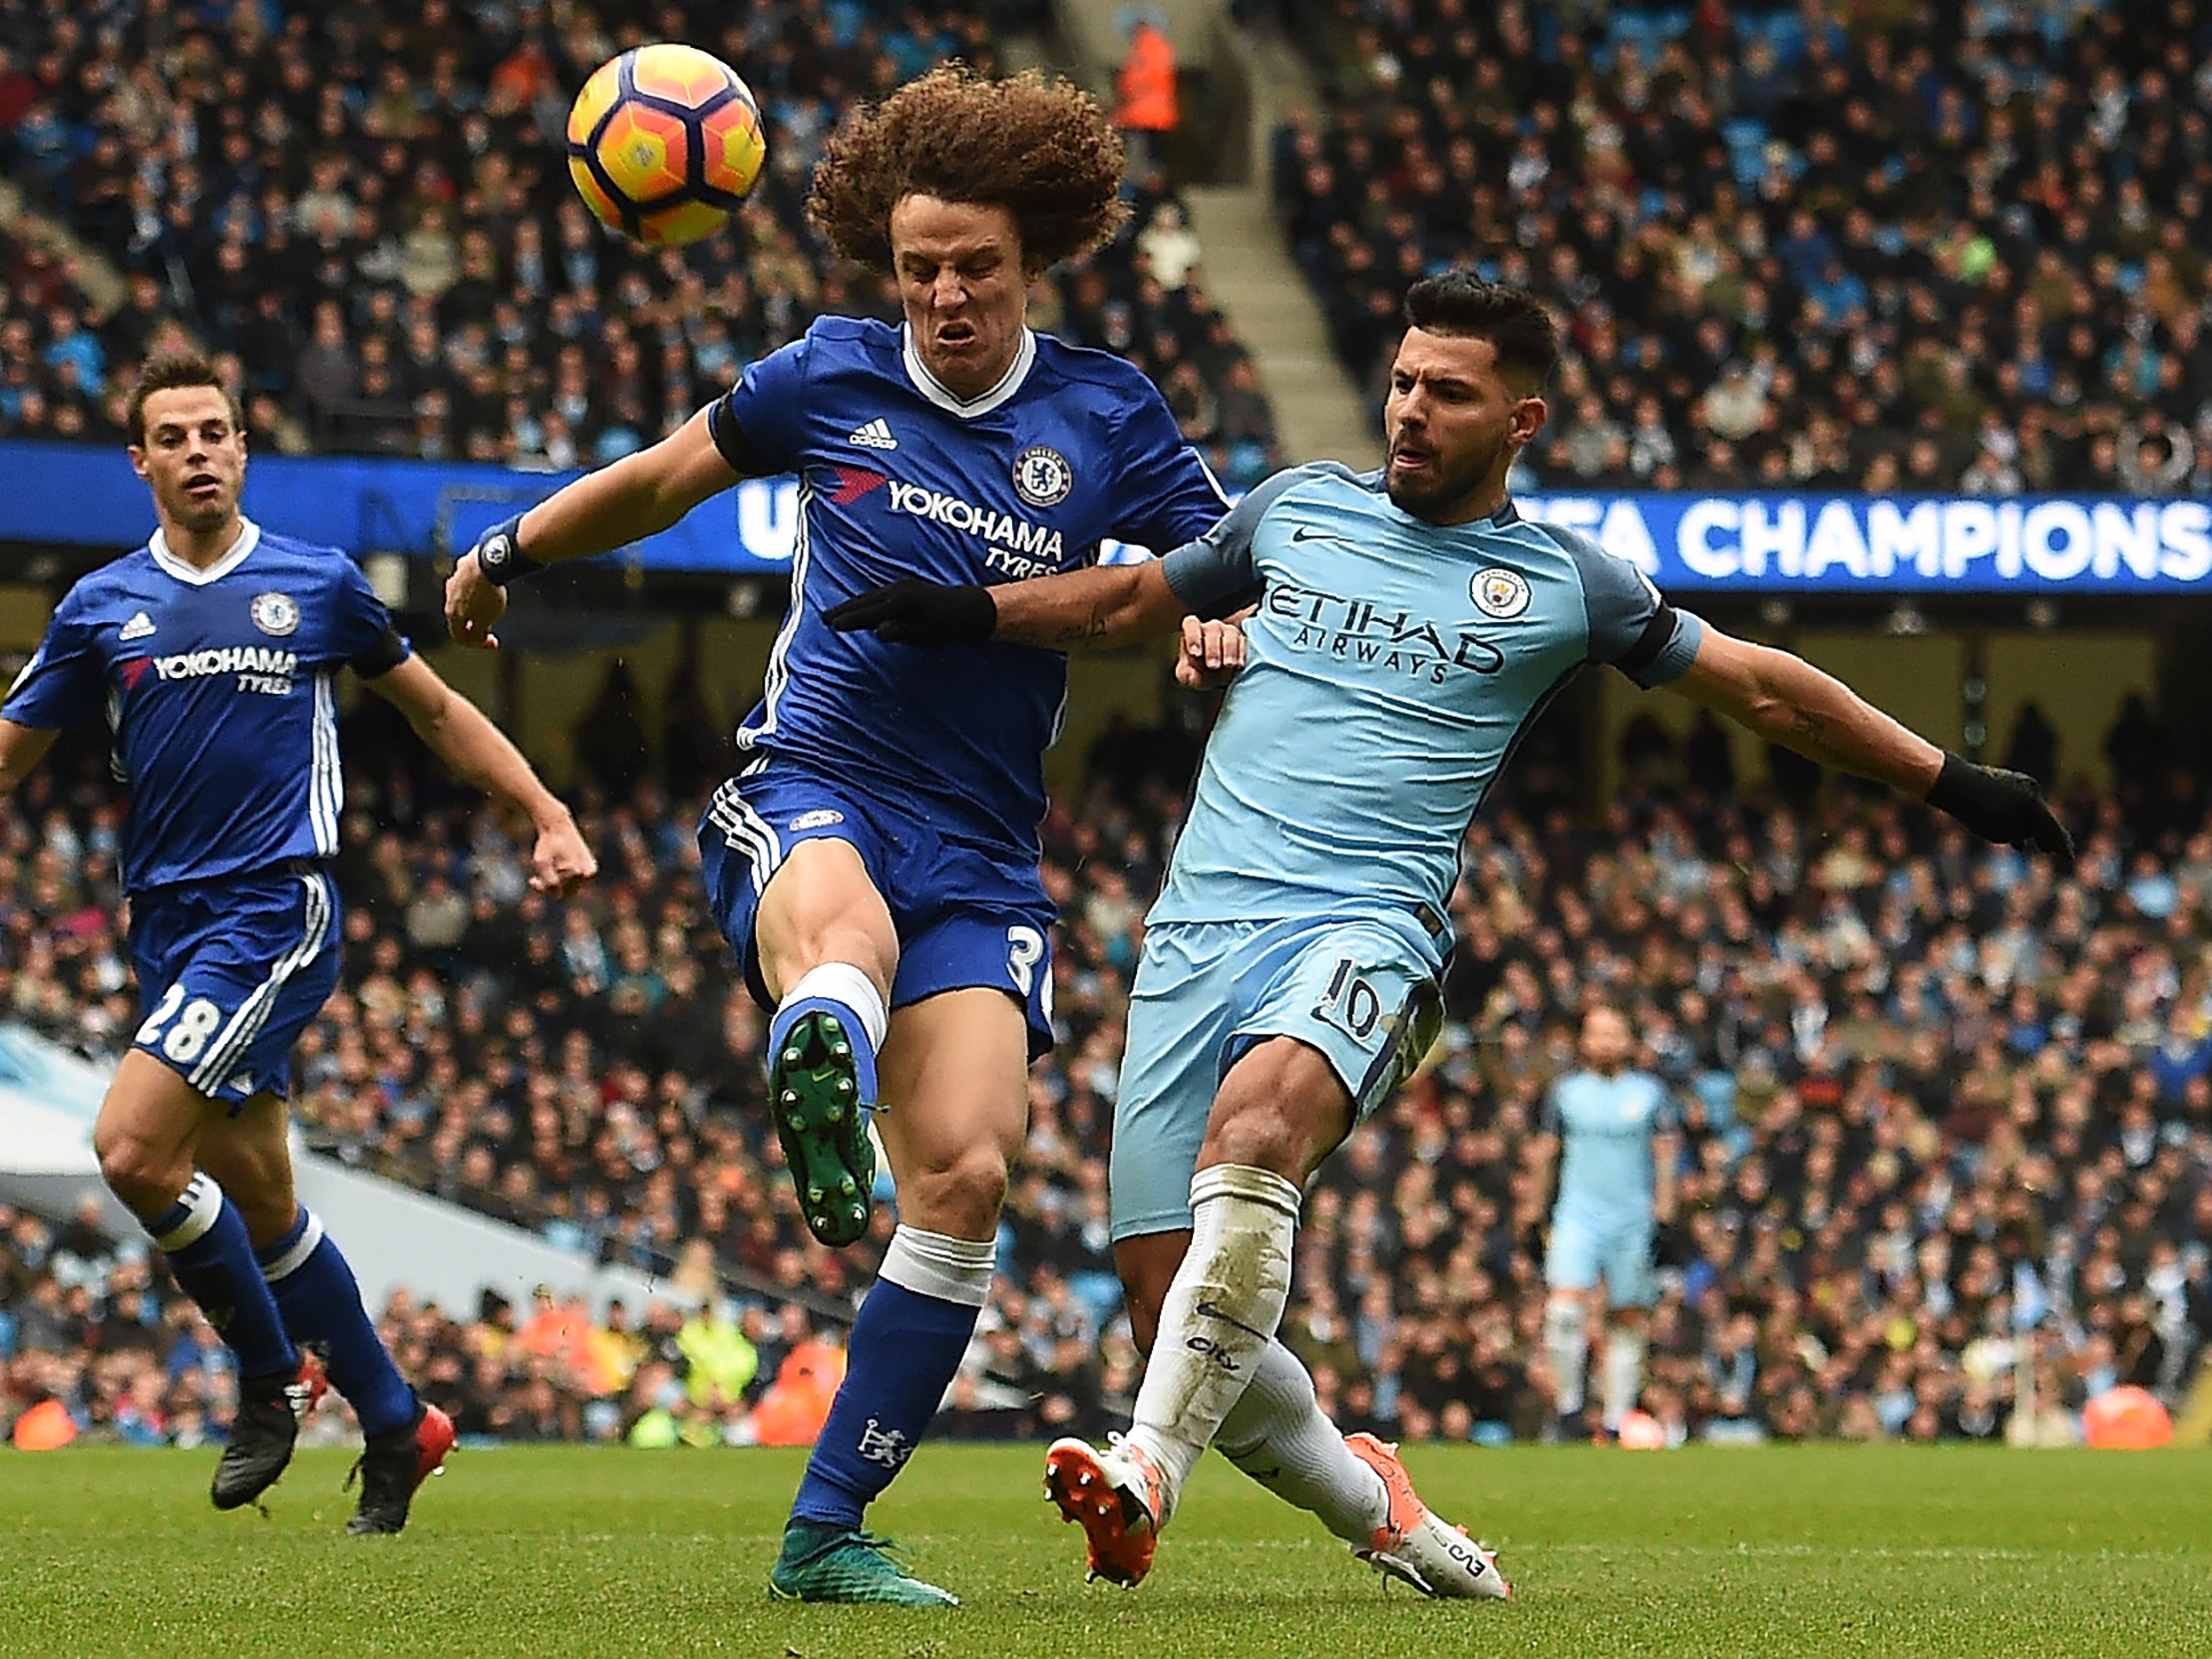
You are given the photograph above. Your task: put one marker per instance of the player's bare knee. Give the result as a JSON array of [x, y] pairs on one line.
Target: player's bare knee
[[1281, 1109], [145, 1175], [1247, 1129], [961, 1198]]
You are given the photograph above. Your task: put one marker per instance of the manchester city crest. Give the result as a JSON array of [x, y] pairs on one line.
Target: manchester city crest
[[1500, 592], [1042, 477], [275, 613]]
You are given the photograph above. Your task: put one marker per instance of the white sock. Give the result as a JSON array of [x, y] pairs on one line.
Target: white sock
[[1567, 1344], [1277, 1435], [934, 1264], [1624, 1373], [843, 982], [1219, 1316]]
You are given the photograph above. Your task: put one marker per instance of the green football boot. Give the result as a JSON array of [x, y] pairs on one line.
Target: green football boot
[[813, 1090], [821, 1562]]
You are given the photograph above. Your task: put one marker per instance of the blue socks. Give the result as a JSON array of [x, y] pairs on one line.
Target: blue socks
[[321, 1304], [906, 1346], [206, 1240], [840, 989]]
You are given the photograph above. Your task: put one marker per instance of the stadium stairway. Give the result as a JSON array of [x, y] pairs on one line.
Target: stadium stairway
[[1248, 272], [100, 281], [1246, 264], [103, 282]]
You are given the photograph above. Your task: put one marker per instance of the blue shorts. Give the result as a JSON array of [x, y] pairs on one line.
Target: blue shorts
[[1584, 1251], [1361, 990], [965, 915], [229, 974]]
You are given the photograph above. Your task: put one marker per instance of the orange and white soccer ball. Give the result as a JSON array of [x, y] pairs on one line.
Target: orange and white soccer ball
[[664, 141]]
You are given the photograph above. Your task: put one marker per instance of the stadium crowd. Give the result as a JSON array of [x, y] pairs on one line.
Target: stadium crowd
[[1944, 1119], [1946, 1122], [366, 208], [1889, 245]]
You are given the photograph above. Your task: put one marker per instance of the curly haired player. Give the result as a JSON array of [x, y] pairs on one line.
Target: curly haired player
[[874, 860], [1409, 627]]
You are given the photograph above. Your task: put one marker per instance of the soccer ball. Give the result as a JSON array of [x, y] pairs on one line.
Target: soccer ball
[[663, 143]]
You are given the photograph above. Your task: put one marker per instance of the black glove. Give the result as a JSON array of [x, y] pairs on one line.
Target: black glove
[[912, 613], [2001, 806]]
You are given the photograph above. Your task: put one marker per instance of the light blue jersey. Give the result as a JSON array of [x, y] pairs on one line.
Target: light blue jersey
[[1393, 666], [1604, 1125]]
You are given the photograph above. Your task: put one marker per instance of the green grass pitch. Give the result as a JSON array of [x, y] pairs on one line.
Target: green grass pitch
[[548, 1553]]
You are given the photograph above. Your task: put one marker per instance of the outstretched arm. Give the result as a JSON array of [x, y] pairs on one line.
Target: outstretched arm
[[1210, 578], [458, 732], [1102, 606], [1788, 701], [638, 496]]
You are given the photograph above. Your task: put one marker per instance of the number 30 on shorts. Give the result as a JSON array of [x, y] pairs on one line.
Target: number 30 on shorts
[[195, 1025], [1024, 950]]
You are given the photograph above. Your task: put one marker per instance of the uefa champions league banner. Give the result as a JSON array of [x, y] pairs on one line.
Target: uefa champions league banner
[[1897, 543], [1688, 544]]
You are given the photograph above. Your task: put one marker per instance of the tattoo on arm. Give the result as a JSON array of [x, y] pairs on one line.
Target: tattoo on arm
[[1091, 627], [1808, 735]]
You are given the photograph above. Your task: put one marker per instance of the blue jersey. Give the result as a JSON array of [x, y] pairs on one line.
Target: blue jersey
[[899, 477], [1604, 1125], [217, 687], [1393, 666]]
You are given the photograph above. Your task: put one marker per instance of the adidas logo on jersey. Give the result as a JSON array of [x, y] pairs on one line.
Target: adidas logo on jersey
[[875, 435], [136, 628]]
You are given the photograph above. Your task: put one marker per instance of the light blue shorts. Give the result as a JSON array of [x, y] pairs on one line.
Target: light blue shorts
[[1584, 1251], [1361, 990]]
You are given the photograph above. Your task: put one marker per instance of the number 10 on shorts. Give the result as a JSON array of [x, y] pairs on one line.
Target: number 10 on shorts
[[1350, 1002]]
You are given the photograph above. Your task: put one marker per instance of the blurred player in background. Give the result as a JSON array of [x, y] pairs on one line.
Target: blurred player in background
[[875, 860], [213, 652], [1410, 625], [1611, 1131]]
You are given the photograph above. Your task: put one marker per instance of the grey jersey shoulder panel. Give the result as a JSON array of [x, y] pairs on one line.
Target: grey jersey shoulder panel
[[1631, 626], [1215, 574]]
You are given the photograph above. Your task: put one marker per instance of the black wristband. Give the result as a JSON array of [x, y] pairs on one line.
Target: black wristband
[[500, 555], [1954, 784]]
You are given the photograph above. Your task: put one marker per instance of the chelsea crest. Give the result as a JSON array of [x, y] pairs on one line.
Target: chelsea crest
[[275, 613], [1042, 477]]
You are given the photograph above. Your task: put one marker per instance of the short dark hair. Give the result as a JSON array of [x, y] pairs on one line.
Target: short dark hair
[[1042, 150], [167, 373], [1513, 320]]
